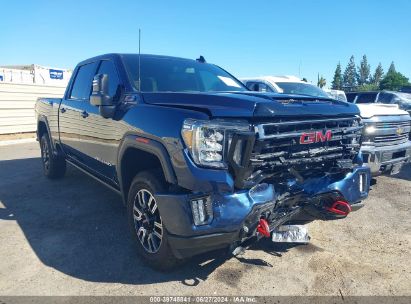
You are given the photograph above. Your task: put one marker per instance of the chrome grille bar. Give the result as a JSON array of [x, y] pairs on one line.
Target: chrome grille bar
[[279, 143]]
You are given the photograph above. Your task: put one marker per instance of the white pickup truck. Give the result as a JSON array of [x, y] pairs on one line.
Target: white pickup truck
[[386, 144]]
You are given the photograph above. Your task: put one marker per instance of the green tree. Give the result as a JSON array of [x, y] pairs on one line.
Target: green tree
[[378, 74], [336, 84], [368, 87], [393, 81], [321, 81], [363, 74], [391, 69], [350, 75]]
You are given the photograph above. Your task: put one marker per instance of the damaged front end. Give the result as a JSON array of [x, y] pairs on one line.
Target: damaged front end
[[235, 218], [284, 172]]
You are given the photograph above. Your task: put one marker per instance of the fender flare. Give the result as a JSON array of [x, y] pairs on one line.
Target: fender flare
[[150, 146], [43, 119]]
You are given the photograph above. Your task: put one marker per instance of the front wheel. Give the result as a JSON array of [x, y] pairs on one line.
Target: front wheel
[[146, 224]]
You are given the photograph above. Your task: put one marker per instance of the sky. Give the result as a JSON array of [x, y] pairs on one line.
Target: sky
[[247, 38]]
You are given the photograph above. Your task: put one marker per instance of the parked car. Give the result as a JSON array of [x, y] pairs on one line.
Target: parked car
[[284, 85], [403, 100], [337, 94], [200, 161]]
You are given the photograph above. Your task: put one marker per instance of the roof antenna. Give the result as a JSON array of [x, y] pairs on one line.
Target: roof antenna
[[201, 59], [139, 60]]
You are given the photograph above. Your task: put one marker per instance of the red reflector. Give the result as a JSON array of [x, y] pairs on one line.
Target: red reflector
[[339, 207], [263, 228], [142, 140]]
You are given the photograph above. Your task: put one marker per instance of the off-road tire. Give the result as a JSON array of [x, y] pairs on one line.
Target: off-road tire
[[163, 258]]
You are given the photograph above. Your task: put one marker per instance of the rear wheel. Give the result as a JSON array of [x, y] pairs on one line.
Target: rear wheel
[[53, 166], [146, 224]]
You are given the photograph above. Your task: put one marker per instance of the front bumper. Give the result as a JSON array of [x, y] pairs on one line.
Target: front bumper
[[381, 159], [237, 214]]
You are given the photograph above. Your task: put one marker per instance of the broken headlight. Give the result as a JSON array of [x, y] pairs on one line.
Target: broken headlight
[[208, 141]]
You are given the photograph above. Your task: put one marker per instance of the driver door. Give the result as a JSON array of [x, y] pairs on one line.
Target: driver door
[[99, 137]]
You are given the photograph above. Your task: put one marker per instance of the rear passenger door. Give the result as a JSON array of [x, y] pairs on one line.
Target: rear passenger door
[[70, 108]]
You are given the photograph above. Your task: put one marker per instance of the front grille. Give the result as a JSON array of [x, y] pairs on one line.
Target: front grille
[[393, 124], [386, 140], [278, 145], [387, 133]]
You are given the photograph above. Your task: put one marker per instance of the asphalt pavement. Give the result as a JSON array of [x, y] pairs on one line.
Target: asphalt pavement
[[70, 237]]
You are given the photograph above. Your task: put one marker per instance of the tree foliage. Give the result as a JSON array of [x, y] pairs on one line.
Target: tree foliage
[[391, 69], [336, 84], [378, 74], [350, 75], [321, 82], [368, 87], [393, 81], [360, 78], [363, 75]]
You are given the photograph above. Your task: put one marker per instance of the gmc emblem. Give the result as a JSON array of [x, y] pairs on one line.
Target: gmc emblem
[[314, 137]]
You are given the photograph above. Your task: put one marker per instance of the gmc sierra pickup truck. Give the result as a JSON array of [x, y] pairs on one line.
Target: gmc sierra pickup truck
[[200, 161]]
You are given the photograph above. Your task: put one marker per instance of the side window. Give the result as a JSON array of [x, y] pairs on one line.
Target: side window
[[258, 87], [351, 97], [82, 83], [108, 67], [250, 85], [208, 80], [385, 97], [366, 98]]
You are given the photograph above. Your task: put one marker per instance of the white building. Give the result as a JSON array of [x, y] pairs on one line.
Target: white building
[[35, 74], [20, 86]]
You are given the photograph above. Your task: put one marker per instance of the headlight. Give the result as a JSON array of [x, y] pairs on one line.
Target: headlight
[[208, 141], [370, 129]]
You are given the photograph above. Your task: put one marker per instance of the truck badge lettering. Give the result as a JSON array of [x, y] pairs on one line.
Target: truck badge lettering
[[314, 137]]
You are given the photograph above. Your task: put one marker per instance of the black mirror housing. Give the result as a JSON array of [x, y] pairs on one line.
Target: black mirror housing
[[99, 96]]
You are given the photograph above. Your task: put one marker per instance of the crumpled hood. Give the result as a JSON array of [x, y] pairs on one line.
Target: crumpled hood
[[253, 104], [368, 110]]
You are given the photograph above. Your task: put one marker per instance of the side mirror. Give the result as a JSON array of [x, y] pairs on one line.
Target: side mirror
[[100, 98]]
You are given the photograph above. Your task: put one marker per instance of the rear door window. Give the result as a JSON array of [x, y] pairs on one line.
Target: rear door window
[[81, 88]]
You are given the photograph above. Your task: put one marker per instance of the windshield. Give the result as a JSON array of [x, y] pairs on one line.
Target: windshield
[[301, 89], [337, 95], [167, 74], [405, 97]]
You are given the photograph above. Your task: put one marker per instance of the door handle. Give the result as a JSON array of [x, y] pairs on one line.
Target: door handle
[[62, 110], [84, 114]]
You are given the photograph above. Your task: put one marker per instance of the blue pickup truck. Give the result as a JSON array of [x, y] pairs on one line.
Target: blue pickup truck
[[200, 161]]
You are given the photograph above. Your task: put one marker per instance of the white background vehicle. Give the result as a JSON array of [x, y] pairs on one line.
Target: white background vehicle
[[337, 94], [283, 84], [385, 142]]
